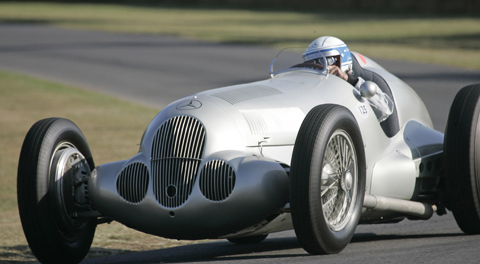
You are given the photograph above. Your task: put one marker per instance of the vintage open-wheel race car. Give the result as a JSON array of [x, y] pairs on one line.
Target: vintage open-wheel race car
[[302, 149]]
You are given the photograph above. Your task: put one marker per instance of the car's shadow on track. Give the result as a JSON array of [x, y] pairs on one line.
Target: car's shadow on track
[[211, 251], [371, 237], [272, 248]]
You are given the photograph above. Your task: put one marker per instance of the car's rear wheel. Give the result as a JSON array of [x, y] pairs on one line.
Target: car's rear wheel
[[54, 162], [462, 158], [327, 179]]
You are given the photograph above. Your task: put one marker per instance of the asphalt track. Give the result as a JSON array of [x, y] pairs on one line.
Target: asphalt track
[[155, 70]]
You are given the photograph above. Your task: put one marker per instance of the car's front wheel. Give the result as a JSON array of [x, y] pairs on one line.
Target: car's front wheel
[[327, 179], [54, 164]]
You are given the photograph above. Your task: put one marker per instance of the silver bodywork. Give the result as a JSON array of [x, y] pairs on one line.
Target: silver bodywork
[[215, 164]]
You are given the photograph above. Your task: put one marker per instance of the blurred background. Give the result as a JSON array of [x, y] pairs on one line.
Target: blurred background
[[432, 31], [426, 6]]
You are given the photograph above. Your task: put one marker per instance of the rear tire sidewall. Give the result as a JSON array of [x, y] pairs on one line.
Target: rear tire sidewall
[[462, 158], [38, 211]]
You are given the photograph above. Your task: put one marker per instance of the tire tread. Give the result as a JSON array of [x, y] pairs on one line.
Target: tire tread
[[461, 182], [32, 190]]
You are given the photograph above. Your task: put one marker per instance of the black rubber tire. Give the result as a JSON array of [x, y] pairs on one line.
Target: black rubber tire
[[462, 159], [34, 193], [312, 229], [248, 240]]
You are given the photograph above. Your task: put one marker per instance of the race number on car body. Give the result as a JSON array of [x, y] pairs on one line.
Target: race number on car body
[[362, 109]]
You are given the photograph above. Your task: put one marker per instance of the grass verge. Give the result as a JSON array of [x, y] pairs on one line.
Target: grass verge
[[113, 129], [446, 40]]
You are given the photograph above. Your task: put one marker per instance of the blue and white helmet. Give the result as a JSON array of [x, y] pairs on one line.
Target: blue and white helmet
[[335, 52]]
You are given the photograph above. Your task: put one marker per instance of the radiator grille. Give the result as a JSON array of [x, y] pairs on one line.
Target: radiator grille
[[176, 155], [217, 180], [132, 183]]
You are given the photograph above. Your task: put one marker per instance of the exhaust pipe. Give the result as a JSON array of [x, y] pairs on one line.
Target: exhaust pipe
[[421, 210]]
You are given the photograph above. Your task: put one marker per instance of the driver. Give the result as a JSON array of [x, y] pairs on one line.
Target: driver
[[339, 61]]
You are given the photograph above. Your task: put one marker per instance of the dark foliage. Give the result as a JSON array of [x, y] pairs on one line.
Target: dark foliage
[[459, 7]]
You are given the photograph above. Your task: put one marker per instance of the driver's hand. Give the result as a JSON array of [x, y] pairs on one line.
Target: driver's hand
[[337, 72]]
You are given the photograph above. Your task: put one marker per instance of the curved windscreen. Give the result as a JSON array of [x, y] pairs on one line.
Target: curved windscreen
[[290, 59]]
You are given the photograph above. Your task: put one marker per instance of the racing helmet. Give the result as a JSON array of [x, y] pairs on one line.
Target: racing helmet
[[335, 52]]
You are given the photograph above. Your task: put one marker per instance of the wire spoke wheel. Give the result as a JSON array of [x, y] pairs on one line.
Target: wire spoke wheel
[[339, 178], [328, 175]]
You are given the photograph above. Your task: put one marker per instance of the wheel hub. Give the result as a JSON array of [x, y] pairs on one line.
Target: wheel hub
[[347, 181], [70, 170]]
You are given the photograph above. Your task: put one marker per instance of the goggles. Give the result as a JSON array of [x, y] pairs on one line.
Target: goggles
[[331, 60]]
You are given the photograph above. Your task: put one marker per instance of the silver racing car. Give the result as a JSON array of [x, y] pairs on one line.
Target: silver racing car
[[301, 150]]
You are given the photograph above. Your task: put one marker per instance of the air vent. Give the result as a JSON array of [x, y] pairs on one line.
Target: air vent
[[132, 183], [176, 155], [273, 120], [217, 180]]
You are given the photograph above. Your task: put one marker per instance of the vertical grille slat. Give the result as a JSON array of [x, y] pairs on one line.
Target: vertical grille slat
[[176, 156], [217, 180], [132, 182]]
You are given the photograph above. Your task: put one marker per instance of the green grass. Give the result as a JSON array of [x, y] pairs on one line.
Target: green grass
[[113, 129], [440, 40]]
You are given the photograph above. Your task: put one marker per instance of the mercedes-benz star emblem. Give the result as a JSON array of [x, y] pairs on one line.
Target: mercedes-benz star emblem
[[189, 105]]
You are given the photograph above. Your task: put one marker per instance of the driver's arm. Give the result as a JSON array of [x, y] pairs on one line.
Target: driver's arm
[[333, 69]]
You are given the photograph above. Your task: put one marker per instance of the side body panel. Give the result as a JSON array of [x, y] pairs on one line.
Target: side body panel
[[248, 134]]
